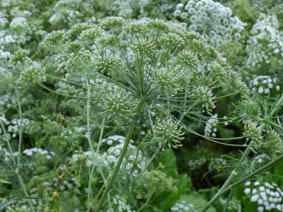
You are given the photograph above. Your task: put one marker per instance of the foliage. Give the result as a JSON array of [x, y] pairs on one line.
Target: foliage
[[141, 105]]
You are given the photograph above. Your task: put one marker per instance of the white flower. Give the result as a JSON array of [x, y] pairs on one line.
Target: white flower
[[28, 152], [254, 198], [18, 22], [261, 188], [260, 90], [260, 209], [247, 191], [248, 183]]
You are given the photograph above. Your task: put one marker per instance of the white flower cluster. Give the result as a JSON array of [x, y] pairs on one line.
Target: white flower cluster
[[109, 158], [183, 206], [7, 154], [259, 161], [217, 164], [210, 127], [16, 124], [166, 7], [65, 11], [6, 102], [211, 19], [3, 19], [196, 163], [19, 23], [264, 84], [267, 196], [4, 55], [91, 158], [265, 41], [6, 38], [69, 184], [32, 74], [133, 157], [24, 205], [120, 205], [16, 33], [30, 152]]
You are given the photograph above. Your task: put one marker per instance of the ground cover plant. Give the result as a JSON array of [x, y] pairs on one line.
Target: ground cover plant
[[141, 106]]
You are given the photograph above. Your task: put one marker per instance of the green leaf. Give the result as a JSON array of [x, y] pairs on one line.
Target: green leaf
[[4, 181], [6, 204], [168, 159], [184, 186]]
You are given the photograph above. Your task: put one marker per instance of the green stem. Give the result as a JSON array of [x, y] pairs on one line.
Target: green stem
[[24, 188], [101, 134], [91, 146], [277, 106], [274, 124], [223, 191], [21, 128], [20, 149], [89, 143], [146, 202], [121, 157], [230, 178]]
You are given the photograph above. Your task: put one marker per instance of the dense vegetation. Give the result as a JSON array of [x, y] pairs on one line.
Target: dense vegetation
[[141, 106]]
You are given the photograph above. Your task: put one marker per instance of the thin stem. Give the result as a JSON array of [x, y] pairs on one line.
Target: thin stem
[[20, 149], [277, 106], [89, 143], [121, 157], [274, 124], [230, 178], [8, 143], [153, 156], [62, 94], [146, 202], [224, 190], [228, 200], [101, 134], [91, 147], [24, 189], [88, 120], [21, 128]]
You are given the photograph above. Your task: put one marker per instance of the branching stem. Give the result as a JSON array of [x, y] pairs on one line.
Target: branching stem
[[111, 179]]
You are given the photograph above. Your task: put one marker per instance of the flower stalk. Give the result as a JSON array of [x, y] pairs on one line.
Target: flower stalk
[[112, 177]]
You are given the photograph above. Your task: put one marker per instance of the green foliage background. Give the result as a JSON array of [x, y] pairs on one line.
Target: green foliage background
[[194, 86]]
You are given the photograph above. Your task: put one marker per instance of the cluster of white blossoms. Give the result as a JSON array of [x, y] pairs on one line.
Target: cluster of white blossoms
[[6, 102], [264, 84], [65, 11], [265, 41], [183, 206], [211, 19], [32, 74], [91, 158], [7, 155], [29, 152], [16, 124], [217, 164], [19, 22], [196, 163], [4, 55], [17, 33], [119, 205], [267, 196], [110, 157], [133, 158], [211, 126], [3, 19], [126, 7]]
